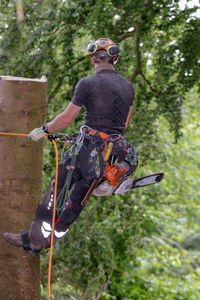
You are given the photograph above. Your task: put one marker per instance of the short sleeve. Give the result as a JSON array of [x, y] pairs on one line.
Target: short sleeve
[[81, 92]]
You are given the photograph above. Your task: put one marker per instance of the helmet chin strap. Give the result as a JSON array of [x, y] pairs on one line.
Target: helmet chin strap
[[115, 60], [92, 59]]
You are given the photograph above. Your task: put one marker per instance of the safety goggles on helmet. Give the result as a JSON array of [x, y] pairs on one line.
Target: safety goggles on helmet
[[104, 44]]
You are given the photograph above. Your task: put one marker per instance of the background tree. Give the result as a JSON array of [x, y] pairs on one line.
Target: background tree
[[20, 181], [109, 248]]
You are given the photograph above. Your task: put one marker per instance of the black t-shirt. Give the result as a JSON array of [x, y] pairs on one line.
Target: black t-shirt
[[107, 97]]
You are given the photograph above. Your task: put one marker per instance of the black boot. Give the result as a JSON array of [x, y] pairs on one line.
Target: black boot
[[13, 239], [22, 240]]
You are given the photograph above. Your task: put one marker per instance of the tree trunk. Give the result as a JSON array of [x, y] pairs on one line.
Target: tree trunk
[[22, 108]]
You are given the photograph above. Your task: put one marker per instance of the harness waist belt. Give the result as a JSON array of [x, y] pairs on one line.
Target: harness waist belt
[[103, 135]]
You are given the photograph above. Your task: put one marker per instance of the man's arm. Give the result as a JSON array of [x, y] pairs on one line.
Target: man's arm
[[129, 117], [62, 120]]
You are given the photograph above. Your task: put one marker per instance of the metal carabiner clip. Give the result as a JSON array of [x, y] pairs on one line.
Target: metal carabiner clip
[[84, 127]]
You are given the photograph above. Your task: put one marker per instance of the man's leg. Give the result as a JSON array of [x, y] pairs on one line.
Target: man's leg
[[73, 209], [40, 229], [37, 236]]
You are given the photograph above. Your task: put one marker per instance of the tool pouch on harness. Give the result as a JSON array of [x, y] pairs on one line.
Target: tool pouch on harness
[[90, 158], [116, 178]]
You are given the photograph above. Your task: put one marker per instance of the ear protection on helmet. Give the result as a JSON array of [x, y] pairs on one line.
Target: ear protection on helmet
[[92, 48], [111, 50]]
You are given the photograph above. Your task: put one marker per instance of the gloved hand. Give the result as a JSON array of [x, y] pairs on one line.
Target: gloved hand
[[36, 134]]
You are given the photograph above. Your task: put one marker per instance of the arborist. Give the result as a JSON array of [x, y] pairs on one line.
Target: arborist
[[107, 98]]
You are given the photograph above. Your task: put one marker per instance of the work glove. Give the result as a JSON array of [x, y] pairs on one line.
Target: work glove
[[36, 134]]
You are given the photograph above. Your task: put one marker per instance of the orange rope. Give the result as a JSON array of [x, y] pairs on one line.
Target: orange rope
[[53, 219], [54, 206], [8, 133]]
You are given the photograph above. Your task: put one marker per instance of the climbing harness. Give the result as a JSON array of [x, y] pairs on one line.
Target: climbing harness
[[114, 173]]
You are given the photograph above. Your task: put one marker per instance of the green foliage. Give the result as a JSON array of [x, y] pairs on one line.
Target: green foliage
[[145, 244], [52, 37]]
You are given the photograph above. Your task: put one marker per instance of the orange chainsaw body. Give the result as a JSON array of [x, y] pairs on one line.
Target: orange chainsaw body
[[114, 173]]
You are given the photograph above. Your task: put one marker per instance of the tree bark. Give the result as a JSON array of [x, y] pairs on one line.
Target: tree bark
[[22, 108]]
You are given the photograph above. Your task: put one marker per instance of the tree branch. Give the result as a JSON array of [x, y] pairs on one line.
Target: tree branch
[[102, 289], [59, 84], [126, 35], [85, 295], [136, 45], [155, 92], [54, 92], [137, 55]]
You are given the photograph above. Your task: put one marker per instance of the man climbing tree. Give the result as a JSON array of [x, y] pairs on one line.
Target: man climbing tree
[[107, 98]]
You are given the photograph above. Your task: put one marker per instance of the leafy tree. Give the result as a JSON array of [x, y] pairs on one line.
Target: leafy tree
[[159, 42], [110, 250]]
